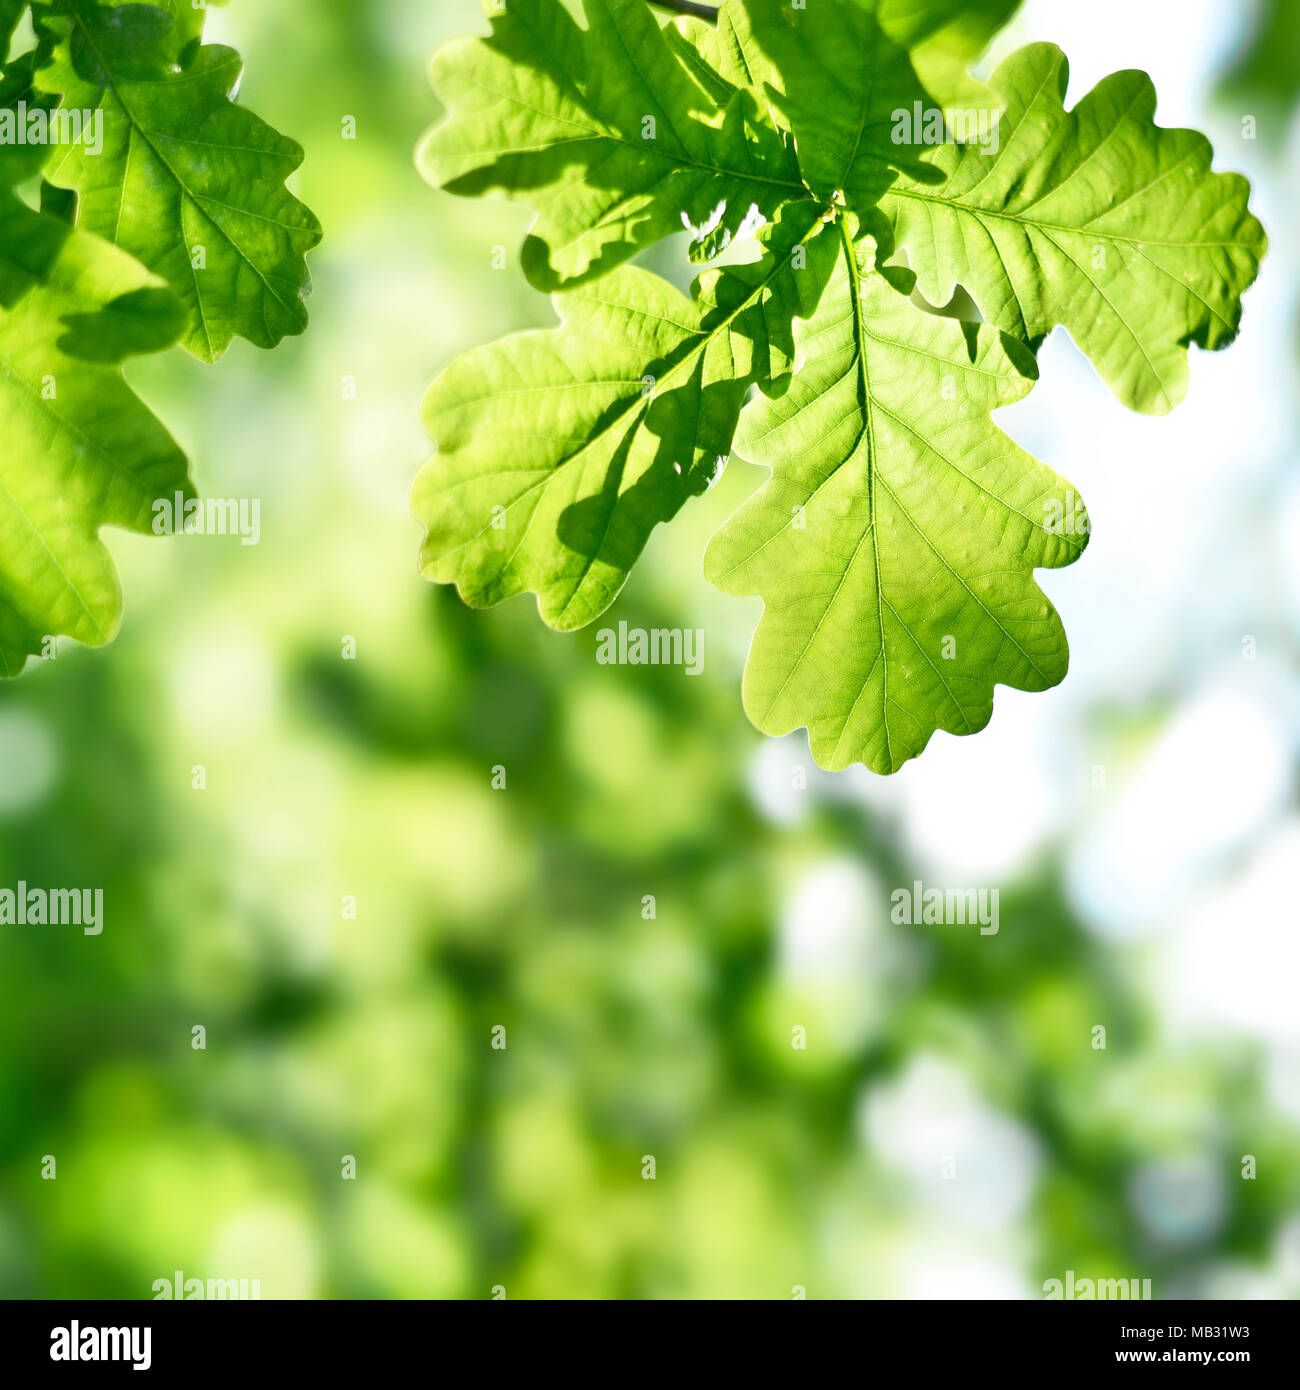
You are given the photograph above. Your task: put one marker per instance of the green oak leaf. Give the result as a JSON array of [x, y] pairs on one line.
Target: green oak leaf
[[714, 52], [560, 450], [895, 542], [942, 38], [838, 82], [1096, 219], [187, 19], [609, 132], [188, 182], [78, 449]]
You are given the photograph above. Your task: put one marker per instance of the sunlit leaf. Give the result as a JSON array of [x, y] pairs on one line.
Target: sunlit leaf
[[895, 543], [79, 449], [1096, 219]]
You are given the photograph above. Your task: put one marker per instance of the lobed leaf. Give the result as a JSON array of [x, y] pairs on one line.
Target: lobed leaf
[[713, 52], [838, 81], [612, 133], [895, 542], [80, 450], [1097, 219], [188, 182], [560, 450]]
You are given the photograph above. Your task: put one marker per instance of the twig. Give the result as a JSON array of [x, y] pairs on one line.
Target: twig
[[705, 12]]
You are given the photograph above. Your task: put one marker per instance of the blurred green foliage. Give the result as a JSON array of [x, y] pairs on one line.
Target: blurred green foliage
[[521, 908], [1265, 80]]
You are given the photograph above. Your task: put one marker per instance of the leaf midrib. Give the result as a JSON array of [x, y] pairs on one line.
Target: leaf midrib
[[859, 341], [973, 210], [195, 199]]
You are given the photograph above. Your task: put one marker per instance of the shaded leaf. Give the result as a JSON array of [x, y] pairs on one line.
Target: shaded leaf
[[560, 450], [838, 81], [11, 11], [608, 132], [188, 182], [29, 243]]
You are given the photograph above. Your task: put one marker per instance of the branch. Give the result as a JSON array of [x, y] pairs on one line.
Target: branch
[[705, 12]]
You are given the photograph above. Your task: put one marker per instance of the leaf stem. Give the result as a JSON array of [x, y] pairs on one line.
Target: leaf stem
[[688, 7]]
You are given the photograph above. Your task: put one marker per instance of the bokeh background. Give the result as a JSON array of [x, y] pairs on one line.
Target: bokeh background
[[950, 1128]]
